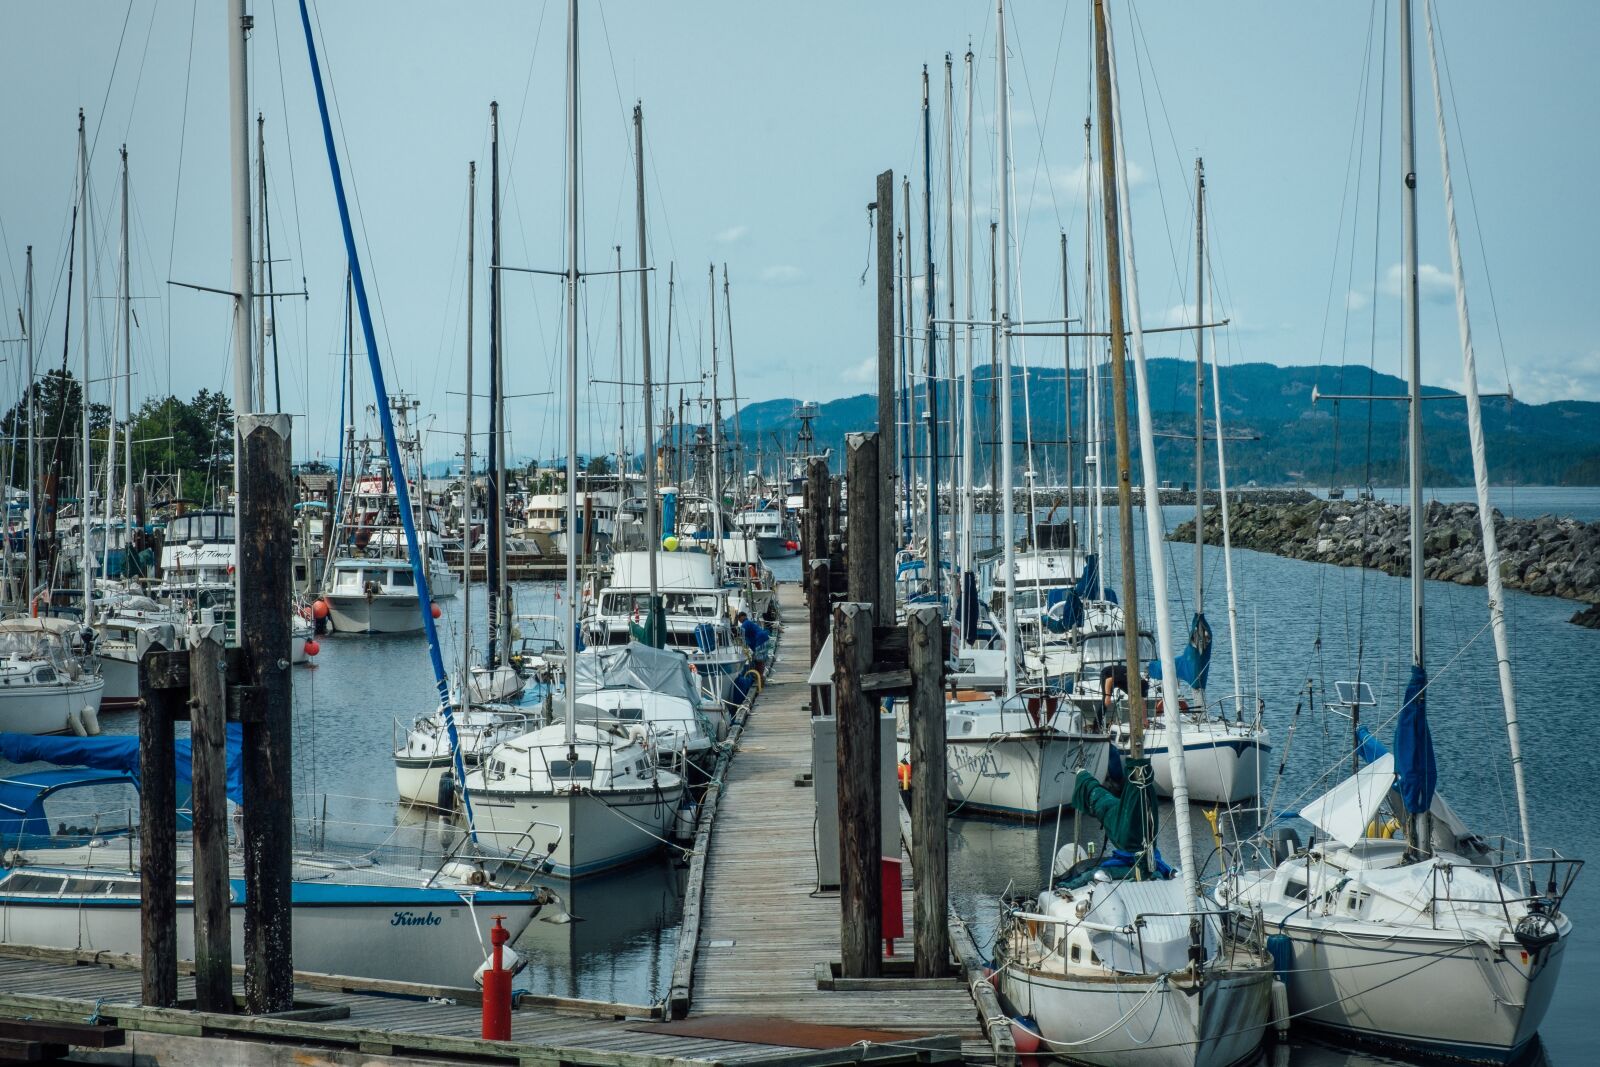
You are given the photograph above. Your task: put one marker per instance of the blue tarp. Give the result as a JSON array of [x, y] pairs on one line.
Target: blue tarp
[[22, 796], [1413, 747], [1368, 747], [119, 753]]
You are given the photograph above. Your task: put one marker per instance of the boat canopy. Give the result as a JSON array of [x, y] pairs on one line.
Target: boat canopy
[[635, 666], [114, 754], [42, 625], [1345, 811], [22, 797]]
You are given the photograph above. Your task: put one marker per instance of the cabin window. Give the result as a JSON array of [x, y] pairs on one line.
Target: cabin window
[[44, 675], [628, 714], [1295, 889], [401, 578], [35, 885], [560, 768], [1077, 953]]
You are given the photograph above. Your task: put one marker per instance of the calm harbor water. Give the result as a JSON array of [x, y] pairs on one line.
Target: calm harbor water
[[615, 936]]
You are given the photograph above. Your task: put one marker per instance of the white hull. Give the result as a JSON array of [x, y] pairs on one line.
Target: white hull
[[1023, 773], [417, 780], [122, 683], [46, 709], [383, 614], [436, 942], [1178, 1025], [1224, 763], [592, 831], [1446, 995], [775, 546]]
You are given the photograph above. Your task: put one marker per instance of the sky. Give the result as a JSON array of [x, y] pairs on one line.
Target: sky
[[765, 128]]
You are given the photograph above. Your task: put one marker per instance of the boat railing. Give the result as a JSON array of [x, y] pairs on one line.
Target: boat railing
[[92, 831], [1226, 926], [1536, 886]]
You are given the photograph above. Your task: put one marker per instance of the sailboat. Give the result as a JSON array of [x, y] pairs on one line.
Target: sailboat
[[1122, 961], [593, 790], [1406, 928]]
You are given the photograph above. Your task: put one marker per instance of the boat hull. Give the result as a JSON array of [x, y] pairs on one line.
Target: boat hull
[[1021, 774], [590, 833], [1177, 1024], [1220, 770], [386, 614], [47, 709], [1445, 996], [426, 936], [121, 692]]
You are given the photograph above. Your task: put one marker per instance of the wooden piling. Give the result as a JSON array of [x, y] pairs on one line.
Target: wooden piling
[[835, 506], [886, 385], [159, 705], [815, 534], [266, 496], [860, 831], [213, 929], [861, 459], [930, 893]]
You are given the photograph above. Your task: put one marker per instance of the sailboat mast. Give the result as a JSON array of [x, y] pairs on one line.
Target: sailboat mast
[[33, 499], [1480, 468], [949, 247], [716, 420], [652, 522], [1119, 392], [572, 373], [966, 393], [622, 393], [494, 515], [127, 374], [261, 262], [1007, 505], [1066, 383], [239, 26], [904, 431], [86, 558], [1091, 370], [994, 380], [1155, 533], [930, 360], [1412, 326], [466, 454], [1199, 388], [733, 380]]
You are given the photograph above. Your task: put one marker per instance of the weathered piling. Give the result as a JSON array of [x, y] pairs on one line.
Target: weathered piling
[[861, 452], [266, 496], [860, 844], [814, 534], [931, 895], [159, 705], [213, 930]]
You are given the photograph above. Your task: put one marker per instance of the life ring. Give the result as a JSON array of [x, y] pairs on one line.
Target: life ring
[[1183, 706]]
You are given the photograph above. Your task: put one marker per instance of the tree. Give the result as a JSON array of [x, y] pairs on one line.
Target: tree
[[598, 465]]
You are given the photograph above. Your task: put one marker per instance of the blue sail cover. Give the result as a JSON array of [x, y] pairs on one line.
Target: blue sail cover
[[1194, 663], [1413, 747], [968, 609], [1368, 747], [119, 753]]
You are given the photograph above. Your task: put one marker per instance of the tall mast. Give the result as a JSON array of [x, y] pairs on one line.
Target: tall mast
[[994, 381], [496, 486], [733, 379], [87, 555], [572, 367], [1092, 368], [239, 25], [261, 262], [1066, 383], [33, 499], [466, 455], [652, 522], [670, 425], [1007, 505], [906, 389], [966, 393], [1200, 392], [622, 394], [127, 373], [716, 422], [930, 364], [1412, 326], [1155, 533], [1480, 468]]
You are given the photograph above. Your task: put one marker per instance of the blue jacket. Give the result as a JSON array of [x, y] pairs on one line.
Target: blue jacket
[[755, 636]]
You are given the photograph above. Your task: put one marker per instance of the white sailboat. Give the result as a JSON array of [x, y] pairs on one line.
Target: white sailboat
[[1412, 932], [594, 790], [1121, 962]]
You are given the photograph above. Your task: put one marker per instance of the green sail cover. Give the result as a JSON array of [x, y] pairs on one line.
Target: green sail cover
[[1130, 820]]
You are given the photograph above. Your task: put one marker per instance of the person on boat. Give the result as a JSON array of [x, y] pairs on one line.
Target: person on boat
[[1114, 680], [756, 638]]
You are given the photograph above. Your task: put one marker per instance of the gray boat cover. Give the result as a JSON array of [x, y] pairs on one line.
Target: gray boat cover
[[635, 666]]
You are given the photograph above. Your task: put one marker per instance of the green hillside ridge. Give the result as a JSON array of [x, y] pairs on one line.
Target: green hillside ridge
[[1292, 441]]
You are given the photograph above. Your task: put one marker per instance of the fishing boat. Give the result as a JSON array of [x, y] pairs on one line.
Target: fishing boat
[[776, 534], [373, 596], [1017, 755]]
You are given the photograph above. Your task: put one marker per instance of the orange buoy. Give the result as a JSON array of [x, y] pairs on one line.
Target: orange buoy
[[435, 609], [320, 608], [312, 647], [903, 771]]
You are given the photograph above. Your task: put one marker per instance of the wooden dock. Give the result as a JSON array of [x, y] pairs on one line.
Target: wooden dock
[[754, 982]]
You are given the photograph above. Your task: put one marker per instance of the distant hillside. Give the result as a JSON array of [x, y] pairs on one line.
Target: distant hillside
[[1292, 441]]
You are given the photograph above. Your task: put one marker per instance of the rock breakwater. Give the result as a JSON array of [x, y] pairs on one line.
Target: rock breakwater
[[1547, 556]]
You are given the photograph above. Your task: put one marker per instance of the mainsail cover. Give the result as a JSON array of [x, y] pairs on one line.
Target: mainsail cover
[[1131, 819], [1413, 747]]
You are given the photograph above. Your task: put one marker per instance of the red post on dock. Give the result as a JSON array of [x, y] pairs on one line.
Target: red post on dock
[[497, 988], [894, 914]]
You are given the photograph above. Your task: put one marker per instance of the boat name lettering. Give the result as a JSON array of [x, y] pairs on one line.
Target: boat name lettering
[[411, 918]]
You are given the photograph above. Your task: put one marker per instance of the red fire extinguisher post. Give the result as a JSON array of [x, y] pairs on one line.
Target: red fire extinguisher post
[[497, 988]]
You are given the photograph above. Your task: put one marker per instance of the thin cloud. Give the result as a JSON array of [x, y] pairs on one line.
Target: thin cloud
[[863, 373], [1356, 301], [1433, 285], [732, 234], [783, 274]]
